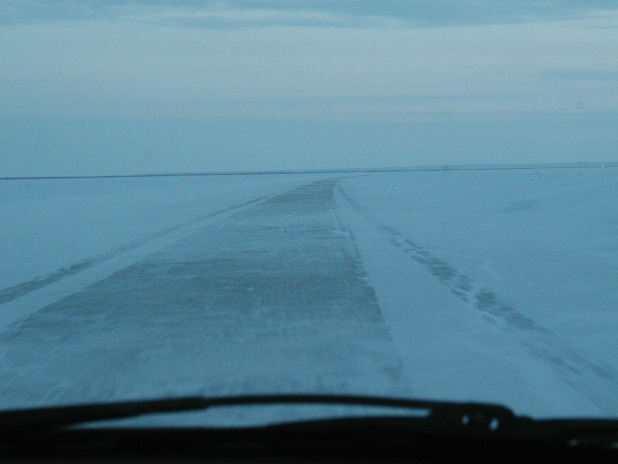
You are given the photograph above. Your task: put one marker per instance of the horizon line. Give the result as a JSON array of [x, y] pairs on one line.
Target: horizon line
[[443, 167]]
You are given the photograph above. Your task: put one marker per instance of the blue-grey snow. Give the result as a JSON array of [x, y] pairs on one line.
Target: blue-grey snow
[[467, 285]]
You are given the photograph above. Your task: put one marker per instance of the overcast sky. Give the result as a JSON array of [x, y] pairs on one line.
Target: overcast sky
[[123, 87]]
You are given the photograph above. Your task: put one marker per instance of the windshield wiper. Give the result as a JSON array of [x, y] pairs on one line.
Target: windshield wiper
[[472, 415], [446, 419]]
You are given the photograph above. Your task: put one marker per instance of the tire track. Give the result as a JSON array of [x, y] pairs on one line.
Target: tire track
[[597, 382], [23, 288], [272, 299], [25, 299]]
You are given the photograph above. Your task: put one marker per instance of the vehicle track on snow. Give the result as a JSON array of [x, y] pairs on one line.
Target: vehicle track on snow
[[16, 291], [597, 382], [271, 299]]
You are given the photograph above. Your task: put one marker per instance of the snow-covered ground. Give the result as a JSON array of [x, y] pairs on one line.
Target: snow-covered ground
[[497, 285], [52, 224], [460, 285]]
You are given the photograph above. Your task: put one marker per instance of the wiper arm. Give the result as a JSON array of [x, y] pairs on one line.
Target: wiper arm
[[452, 419], [61, 416], [472, 416]]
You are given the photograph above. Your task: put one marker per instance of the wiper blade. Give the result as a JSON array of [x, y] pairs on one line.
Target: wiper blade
[[448, 419], [477, 416]]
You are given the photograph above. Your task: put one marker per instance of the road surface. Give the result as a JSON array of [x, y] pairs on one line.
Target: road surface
[[306, 290], [270, 299]]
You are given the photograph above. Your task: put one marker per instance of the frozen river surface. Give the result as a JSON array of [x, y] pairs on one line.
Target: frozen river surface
[[434, 285]]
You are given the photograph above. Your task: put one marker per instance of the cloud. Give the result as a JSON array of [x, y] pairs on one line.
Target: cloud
[[225, 16], [246, 13], [138, 67], [582, 75], [328, 79], [207, 14]]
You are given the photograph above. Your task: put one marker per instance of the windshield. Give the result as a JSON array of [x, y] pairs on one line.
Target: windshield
[[396, 199]]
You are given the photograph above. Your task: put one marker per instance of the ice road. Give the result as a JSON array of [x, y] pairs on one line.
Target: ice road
[[331, 285]]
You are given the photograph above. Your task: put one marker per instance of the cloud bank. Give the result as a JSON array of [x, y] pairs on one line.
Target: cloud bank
[[353, 63]]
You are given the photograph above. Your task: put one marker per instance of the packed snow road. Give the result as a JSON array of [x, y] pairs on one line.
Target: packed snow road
[[271, 299], [442, 285]]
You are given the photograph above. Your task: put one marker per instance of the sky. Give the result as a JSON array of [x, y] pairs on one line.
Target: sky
[[162, 86]]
